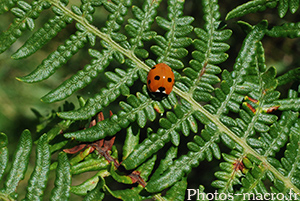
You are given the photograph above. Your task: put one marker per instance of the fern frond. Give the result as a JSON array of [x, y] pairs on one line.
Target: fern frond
[[234, 108], [135, 193], [291, 30], [3, 153], [120, 83], [139, 30], [64, 52], [25, 15], [271, 140], [19, 165], [6, 5], [181, 120], [233, 87], [210, 51], [81, 79], [61, 191], [41, 37], [177, 191], [203, 147], [139, 108], [231, 172], [290, 76], [261, 5], [88, 185], [38, 180], [251, 7], [131, 141], [177, 27], [254, 179], [291, 159], [89, 165], [97, 193], [278, 134]]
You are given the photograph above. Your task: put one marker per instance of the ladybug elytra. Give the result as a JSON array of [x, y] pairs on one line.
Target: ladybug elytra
[[160, 79]]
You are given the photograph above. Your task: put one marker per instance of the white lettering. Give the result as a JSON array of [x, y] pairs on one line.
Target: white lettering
[[281, 195], [259, 196], [230, 196], [249, 196], [189, 194], [208, 194], [267, 196], [224, 198]]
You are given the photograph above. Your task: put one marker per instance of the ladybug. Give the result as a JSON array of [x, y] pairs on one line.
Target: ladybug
[[160, 80]]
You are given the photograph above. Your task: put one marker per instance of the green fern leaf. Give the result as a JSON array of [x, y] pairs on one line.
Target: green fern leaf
[[84, 77], [97, 193], [169, 132], [131, 141], [89, 165], [80, 80], [237, 113], [251, 7], [88, 185], [40, 38], [177, 29], [204, 147], [294, 5], [210, 51], [283, 7], [105, 97], [177, 191], [290, 76], [291, 159], [63, 179], [291, 30], [261, 5], [3, 153], [6, 5], [38, 180], [175, 172], [270, 142], [56, 59], [19, 165], [134, 111], [230, 96], [166, 162], [289, 104], [231, 172], [135, 193], [124, 179], [209, 135], [139, 28], [24, 19]]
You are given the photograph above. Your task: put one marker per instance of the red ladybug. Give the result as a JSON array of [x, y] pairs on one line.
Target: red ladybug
[[160, 79]]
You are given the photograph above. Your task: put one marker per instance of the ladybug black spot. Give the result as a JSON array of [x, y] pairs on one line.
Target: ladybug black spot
[[149, 81], [153, 67], [156, 77], [169, 79], [161, 89]]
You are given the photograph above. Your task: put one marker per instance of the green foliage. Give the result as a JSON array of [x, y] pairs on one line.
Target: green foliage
[[238, 117]]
